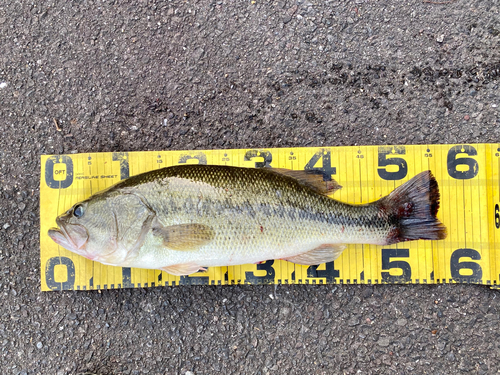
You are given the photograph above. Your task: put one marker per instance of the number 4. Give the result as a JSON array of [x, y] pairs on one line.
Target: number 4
[[327, 170]]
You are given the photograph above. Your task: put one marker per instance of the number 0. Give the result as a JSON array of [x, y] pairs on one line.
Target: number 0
[[50, 266], [52, 162]]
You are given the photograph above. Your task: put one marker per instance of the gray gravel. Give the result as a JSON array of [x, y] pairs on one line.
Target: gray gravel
[[160, 75]]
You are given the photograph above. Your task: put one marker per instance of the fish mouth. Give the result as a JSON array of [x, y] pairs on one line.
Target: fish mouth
[[72, 237], [60, 238]]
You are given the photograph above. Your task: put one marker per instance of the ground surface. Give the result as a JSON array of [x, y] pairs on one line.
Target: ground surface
[[160, 75]]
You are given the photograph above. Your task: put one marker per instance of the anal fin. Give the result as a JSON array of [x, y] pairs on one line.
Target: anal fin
[[322, 254], [183, 269]]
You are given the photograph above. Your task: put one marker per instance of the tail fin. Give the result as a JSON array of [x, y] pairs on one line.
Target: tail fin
[[412, 208]]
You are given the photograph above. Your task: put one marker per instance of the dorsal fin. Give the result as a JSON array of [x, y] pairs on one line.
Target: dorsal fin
[[311, 179]]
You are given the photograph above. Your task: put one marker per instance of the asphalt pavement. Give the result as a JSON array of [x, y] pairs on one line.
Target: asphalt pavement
[[171, 75]]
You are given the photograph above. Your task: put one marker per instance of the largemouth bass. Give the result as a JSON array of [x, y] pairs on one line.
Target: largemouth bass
[[181, 219]]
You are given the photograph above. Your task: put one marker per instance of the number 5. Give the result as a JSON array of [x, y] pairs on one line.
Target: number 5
[[387, 254], [385, 159]]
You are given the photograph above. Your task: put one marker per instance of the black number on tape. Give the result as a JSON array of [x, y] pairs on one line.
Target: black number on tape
[[326, 170], [330, 273], [456, 266], [122, 157], [50, 266], [387, 264], [268, 278], [127, 277], [497, 216], [59, 172], [459, 166], [387, 157], [266, 155], [194, 280], [200, 156]]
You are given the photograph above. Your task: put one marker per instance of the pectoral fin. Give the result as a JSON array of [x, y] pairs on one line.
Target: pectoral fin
[[322, 254], [184, 237], [183, 269]]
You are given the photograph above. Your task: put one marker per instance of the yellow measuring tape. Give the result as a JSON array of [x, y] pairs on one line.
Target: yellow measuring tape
[[468, 178]]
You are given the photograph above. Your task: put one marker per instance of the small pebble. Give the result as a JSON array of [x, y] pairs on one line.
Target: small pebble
[[367, 292], [450, 357], [39, 345], [466, 117], [353, 322], [440, 38], [384, 342], [401, 322], [6, 226], [3, 85]]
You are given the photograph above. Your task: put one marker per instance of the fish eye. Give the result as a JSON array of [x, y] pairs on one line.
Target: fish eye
[[78, 211]]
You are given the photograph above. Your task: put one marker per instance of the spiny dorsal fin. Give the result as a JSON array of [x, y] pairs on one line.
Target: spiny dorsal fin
[[184, 237], [310, 179]]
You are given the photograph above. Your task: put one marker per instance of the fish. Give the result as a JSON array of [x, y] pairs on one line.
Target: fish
[[185, 218]]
